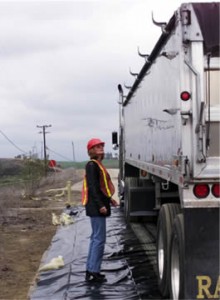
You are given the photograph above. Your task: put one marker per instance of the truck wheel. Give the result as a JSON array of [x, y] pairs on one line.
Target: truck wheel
[[177, 259], [164, 230], [129, 182]]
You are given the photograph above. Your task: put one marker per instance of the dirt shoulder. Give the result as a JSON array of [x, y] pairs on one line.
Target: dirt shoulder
[[26, 230]]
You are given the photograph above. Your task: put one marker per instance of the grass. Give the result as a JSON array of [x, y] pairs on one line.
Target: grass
[[10, 180], [18, 179], [108, 163]]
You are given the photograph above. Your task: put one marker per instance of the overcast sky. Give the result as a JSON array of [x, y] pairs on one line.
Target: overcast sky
[[60, 64]]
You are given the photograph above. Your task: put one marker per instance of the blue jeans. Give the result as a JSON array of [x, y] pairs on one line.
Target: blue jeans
[[97, 244]]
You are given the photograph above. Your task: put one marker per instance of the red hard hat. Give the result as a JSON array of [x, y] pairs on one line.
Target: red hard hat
[[94, 142]]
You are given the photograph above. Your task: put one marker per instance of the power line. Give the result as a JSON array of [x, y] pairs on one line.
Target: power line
[[25, 152], [11, 142], [59, 154]]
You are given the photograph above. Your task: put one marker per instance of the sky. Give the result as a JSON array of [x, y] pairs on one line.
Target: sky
[[60, 64]]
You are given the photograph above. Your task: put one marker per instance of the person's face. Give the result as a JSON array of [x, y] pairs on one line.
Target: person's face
[[99, 150]]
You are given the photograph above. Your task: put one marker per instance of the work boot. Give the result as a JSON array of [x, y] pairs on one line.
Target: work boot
[[95, 277]]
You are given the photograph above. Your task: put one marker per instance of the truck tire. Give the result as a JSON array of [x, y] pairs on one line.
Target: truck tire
[[129, 182], [166, 218], [177, 259]]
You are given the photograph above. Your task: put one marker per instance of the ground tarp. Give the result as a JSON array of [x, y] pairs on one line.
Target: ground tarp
[[129, 270]]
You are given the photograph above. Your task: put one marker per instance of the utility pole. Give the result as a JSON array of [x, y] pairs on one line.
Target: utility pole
[[44, 140], [74, 158]]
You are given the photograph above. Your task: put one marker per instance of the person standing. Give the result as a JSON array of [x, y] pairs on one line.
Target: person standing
[[97, 198]]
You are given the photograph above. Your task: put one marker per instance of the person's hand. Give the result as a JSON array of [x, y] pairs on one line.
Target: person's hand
[[114, 202], [103, 210]]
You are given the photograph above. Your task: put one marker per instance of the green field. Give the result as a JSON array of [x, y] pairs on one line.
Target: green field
[[108, 163]]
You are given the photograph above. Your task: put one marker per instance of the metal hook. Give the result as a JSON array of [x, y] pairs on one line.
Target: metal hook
[[143, 55], [127, 86], [133, 74], [162, 25]]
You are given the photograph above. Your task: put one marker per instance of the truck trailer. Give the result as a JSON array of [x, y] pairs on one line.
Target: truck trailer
[[168, 143]]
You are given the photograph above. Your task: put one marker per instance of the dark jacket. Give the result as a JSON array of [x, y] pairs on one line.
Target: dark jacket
[[96, 199]]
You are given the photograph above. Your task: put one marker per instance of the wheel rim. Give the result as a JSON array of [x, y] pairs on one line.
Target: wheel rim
[[160, 256], [175, 271]]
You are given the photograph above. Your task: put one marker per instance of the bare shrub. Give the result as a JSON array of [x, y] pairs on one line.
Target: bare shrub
[[32, 174], [10, 196], [59, 179]]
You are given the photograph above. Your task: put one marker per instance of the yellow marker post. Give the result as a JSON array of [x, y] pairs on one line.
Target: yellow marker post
[[69, 191]]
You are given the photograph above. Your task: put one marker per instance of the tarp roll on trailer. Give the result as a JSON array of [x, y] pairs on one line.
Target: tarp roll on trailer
[[129, 270], [208, 15]]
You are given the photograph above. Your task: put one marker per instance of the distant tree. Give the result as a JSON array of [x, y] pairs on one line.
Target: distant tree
[[108, 155], [33, 172]]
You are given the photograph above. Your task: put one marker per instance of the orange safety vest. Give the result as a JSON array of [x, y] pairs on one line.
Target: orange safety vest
[[106, 184]]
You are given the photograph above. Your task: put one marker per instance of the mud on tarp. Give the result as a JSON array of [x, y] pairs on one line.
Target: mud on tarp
[[128, 268]]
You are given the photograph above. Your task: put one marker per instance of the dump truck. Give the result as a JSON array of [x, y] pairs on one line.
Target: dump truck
[[168, 142]]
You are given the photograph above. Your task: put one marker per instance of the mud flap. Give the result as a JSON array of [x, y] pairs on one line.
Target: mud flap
[[202, 251], [142, 201]]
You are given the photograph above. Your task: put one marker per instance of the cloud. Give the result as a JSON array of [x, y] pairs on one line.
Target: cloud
[[60, 64]]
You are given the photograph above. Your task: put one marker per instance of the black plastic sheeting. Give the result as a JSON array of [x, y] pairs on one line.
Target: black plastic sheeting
[[128, 268]]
